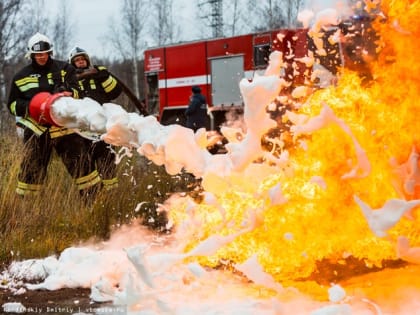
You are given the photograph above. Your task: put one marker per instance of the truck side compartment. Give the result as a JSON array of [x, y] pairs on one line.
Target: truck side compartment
[[217, 66]]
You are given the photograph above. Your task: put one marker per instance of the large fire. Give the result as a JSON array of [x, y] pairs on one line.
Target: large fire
[[335, 196], [339, 193], [363, 149]]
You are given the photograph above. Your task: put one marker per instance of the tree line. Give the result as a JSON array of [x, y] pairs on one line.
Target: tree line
[[137, 25]]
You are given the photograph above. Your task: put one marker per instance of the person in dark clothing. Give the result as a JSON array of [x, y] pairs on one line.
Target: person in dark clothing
[[197, 110], [47, 76], [94, 81], [97, 83]]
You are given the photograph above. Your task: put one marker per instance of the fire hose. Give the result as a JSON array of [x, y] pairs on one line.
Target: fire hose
[[92, 71]]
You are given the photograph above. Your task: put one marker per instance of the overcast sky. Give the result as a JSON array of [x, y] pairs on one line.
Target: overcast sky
[[93, 19]]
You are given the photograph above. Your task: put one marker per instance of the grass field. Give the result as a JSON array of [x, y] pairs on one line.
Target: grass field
[[45, 224]]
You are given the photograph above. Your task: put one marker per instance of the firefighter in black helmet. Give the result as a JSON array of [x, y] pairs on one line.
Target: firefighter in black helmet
[[196, 111], [97, 83], [37, 85]]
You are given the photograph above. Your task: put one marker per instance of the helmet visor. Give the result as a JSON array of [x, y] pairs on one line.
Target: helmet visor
[[41, 47]]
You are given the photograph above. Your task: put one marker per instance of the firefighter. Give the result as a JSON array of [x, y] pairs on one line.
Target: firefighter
[[97, 83], [34, 88], [197, 110]]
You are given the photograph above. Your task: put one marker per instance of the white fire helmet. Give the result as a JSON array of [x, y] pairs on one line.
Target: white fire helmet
[[39, 44], [77, 51]]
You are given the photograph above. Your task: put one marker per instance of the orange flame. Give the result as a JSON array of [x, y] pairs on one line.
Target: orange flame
[[320, 222]]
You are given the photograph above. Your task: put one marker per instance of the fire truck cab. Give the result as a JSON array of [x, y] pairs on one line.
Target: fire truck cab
[[217, 66]]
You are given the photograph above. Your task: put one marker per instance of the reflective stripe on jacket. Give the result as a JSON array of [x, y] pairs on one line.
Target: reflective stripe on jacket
[[31, 80]]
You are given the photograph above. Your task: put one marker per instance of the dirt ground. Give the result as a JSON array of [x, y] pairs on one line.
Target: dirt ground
[[396, 289], [64, 301]]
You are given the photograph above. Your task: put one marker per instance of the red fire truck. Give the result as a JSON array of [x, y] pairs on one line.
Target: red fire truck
[[216, 65]]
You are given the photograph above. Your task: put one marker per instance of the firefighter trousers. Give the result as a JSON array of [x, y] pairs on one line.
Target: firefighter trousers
[[72, 149], [105, 160]]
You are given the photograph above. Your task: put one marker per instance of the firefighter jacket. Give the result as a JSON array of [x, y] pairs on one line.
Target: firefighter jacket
[[97, 83], [100, 85], [55, 76]]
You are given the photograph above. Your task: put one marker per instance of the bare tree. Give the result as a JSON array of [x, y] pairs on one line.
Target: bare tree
[[244, 16], [292, 9], [11, 42], [164, 30], [36, 17], [272, 15], [126, 36], [14, 34], [64, 29], [211, 11], [237, 17]]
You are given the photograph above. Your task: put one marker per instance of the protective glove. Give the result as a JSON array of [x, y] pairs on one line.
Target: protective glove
[[40, 107], [102, 75], [59, 89], [62, 89]]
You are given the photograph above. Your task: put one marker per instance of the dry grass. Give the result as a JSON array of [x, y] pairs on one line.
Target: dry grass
[[45, 224]]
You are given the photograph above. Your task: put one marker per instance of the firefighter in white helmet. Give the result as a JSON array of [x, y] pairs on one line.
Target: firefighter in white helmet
[[33, 90], [97, 83]]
